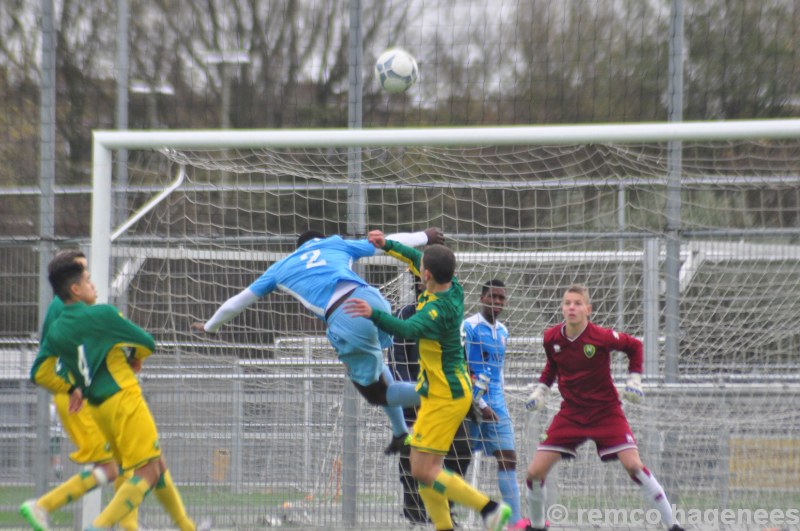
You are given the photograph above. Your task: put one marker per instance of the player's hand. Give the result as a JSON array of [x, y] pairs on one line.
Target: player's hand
[[538, 398], [75, 401], [489, 415], [357, 308], [633, 388], [199, 328], [136, 365], [377, 238], [435, 235]]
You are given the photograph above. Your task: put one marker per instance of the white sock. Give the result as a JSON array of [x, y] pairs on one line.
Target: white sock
[[534, 494], [654, 495], [100, 475]]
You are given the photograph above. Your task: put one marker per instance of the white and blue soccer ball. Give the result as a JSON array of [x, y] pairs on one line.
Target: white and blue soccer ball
[[396, 70]]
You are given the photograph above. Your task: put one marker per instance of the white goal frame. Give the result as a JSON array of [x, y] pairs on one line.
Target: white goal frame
[[104, 142]]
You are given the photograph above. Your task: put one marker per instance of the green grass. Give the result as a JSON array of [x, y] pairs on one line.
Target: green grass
[[221, 500], [218, 499], [10, 500]]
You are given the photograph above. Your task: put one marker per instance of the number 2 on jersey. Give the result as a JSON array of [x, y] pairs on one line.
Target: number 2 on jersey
[[312, 259]]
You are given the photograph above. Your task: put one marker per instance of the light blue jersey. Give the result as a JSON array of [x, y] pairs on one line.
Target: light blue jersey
[[319, 274], [486, 353], [311, 273]]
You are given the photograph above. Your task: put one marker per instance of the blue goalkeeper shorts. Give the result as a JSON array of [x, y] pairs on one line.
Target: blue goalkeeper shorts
[[357, 341], [489, 437]]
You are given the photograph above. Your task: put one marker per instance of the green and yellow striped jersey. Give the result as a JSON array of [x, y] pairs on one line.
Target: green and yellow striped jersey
[[91, 342], [45, 371], [437, 326]]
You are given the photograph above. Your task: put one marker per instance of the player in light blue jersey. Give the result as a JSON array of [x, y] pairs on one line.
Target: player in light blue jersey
[[319, 275], [485, 341]]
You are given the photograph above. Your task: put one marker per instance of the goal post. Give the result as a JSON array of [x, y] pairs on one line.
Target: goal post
[[256, 413], [105, 141]]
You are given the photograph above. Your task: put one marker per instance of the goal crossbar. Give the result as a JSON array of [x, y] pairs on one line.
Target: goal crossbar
[[105, 141]]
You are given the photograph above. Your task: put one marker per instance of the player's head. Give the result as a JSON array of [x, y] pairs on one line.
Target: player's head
[[493, 299], [439, 263], [576, 305], [72, 283], [66, 256], [308, 236]]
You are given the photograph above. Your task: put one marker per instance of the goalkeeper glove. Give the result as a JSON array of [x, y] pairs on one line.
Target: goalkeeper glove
[[481, 383], [537, 398], [633, 388]]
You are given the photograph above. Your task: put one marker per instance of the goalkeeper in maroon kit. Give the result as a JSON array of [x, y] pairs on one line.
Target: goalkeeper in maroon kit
[[579, 356]]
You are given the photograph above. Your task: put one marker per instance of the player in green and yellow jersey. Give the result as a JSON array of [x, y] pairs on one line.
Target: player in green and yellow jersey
[[91, 447], [94, 344], [443, 383]]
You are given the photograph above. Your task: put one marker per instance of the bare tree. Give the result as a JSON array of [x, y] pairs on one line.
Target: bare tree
[[85, 44], [743, 60], [590, 61], [297, 55]]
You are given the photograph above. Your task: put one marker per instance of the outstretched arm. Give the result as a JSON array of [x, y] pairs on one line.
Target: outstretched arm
[[406, 254], [429, 236], [418, 325], [229, 309]]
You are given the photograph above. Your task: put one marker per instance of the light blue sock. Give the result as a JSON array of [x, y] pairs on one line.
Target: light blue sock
[[401, 394], [397, 420], [507, 481]]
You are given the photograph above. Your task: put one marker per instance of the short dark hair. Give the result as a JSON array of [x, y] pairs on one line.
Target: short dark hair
[[494, 283], [308, 236], [64, 257], [63, 277], [441, 262]]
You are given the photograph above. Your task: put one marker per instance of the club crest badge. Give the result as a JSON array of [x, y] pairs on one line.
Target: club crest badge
[[589, 350]]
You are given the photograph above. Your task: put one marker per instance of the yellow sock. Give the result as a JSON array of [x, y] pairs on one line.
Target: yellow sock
[[168, 495], [129, 522], [126, 499], [70, 490], [437, 507], [453, 487]]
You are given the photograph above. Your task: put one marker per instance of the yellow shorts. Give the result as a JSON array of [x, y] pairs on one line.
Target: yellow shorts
[[90, 443], [129, 428], [438, 420]]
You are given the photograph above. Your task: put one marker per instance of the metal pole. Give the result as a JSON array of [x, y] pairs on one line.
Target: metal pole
[[123, 14], [356, 226], [237, 450], [225, 119], [122, 68], [308, 406], [672, 262], [650, 307], [47, 173], [621, 199]]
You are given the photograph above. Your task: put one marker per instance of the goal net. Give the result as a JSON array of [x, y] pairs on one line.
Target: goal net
[[259, 423]]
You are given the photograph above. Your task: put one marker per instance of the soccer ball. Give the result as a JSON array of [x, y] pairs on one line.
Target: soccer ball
[[396, 70]]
